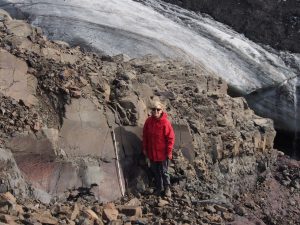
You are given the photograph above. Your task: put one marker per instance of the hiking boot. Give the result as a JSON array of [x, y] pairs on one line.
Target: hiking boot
[[167, 192]]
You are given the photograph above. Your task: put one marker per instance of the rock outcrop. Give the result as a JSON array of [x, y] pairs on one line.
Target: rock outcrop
[[75, 135]]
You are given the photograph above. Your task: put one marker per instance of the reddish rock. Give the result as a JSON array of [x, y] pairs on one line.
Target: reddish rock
[[75, 212], [68, 73], [8, 197], [92, 216], [110, 212], [44, 217], [75, 94], [11, 220], [83, 81], [36, 126], [134, 202]]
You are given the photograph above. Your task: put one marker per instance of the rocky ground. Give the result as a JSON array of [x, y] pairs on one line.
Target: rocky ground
[[275, 200], [232, 175]]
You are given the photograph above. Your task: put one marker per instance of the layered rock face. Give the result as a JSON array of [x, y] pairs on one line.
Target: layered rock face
[[275, 23]]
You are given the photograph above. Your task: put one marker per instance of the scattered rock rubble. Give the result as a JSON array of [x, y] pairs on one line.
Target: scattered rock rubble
[[271, 203], [55, 98]]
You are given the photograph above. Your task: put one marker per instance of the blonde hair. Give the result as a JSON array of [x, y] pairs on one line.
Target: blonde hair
[[157, 104]]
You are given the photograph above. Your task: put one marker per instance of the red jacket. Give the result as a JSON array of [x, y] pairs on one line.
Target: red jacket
[[158, 138]]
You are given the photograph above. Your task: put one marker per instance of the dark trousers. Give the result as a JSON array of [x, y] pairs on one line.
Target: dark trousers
[[161, 175]]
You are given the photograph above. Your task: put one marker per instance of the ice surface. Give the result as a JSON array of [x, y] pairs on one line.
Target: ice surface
[[155, 27]]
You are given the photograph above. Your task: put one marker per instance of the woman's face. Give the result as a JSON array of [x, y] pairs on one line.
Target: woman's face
[[156, 112]]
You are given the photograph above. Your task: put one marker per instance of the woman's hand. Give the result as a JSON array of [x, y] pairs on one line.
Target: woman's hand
[[148, 163]]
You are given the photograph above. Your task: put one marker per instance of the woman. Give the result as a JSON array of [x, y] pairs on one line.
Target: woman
[[158, 142]]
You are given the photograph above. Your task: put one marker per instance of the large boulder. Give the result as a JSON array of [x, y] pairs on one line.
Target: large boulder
[[15, 82], [11, 177], [80, 154], [18, 28]]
